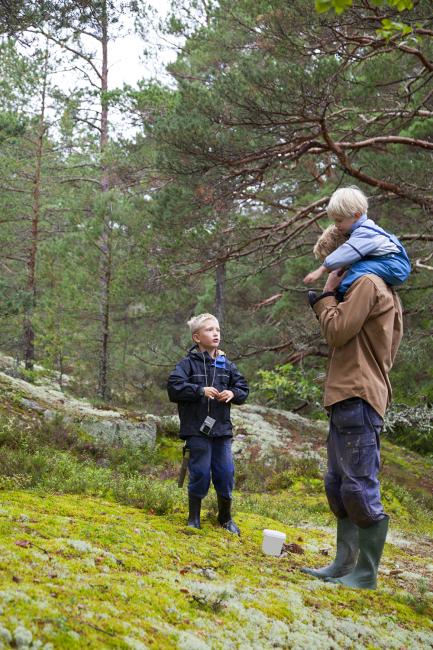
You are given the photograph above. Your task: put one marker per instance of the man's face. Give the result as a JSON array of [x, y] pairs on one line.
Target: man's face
[[208, 336]]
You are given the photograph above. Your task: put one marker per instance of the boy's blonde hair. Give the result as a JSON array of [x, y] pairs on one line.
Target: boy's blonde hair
[[329, 240], [346, 202], [196, 322]]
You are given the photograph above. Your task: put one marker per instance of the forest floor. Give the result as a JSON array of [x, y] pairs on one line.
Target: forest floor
[[95, 553], [82, 572]]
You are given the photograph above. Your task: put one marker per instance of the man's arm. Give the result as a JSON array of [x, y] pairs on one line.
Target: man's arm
[[342, 321]]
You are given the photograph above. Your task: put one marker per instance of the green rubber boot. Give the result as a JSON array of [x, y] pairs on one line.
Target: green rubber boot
[[346, 553], [371, 543]]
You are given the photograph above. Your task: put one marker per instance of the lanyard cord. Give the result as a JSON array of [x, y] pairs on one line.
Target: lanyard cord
[[213, 379]]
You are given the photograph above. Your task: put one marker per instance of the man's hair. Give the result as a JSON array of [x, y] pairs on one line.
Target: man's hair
[[196, 322], [329, 240], [346, 201]]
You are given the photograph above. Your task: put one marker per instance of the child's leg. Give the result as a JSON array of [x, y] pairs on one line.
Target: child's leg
[[393, 269], [222, 466], [223, 478], [199, 465]]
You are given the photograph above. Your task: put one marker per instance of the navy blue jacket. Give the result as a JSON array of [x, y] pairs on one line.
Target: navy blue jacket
[[185, 386]]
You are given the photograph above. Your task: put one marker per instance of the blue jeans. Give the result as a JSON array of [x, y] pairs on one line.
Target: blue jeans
[[210, 457], [351, 483]]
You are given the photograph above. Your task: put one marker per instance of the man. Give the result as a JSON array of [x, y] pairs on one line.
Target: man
[[363, 333]]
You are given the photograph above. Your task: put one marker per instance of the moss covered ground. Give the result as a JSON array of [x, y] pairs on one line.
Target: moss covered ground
[[83, 572], [95, 553]]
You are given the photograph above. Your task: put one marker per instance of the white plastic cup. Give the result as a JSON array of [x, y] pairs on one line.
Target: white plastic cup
[[273, 542]]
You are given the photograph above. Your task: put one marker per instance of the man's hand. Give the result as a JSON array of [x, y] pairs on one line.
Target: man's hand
[[226, 396], [334, 280], [212, 392], [314, 275]]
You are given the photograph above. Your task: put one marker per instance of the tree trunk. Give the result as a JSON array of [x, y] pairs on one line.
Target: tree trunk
[[105, 239], [28, 330], [220, 290]]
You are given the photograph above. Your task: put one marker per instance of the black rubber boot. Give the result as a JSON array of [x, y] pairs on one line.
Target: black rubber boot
[[194, 511], [224, 515], [346, 553], [371, 543]]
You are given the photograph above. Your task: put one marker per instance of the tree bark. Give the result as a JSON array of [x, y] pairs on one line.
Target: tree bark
[[220, 291], [105, 238], [28, 329]]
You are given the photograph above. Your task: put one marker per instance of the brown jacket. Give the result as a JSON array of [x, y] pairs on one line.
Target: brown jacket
[[363, 333]]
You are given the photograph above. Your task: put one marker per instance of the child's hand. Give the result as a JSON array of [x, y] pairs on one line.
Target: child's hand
[[314, 275], [226, 396], [211, 392]]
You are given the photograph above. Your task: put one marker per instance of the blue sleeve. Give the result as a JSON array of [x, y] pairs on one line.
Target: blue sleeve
[[351, 251], [238, 384], [179, 388]]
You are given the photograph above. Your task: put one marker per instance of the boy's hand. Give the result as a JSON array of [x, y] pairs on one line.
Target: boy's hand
[[211, 392], [226, 396], [314, 275]]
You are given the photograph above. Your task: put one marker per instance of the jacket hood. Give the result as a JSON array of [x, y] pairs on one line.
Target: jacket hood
[[195, 353]]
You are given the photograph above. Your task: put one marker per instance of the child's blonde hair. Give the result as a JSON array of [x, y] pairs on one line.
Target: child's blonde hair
[[329, 240], [346, 202], [196, 322]]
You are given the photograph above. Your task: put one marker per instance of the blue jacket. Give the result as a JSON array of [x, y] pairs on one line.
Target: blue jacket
[[370, 249], [185, 386], [366, 238]]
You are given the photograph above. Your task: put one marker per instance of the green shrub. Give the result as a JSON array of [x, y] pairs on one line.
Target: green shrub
[[276, 471], [63, 473], [159, 497], [55, 457], [411, 426], [290, 387]]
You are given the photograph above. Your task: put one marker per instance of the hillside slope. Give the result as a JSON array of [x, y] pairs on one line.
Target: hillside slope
[[95, 553], [83, 572]]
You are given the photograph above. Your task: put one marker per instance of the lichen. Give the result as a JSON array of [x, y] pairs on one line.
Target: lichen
[[83, 572]]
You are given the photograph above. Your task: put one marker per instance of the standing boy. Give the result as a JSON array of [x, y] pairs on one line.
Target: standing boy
[[204, 384]]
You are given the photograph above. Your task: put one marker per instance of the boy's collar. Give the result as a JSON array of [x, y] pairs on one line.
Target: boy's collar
[[196, 349], [358, 222]]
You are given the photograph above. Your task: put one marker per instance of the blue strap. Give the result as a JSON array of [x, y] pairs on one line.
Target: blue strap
[[391, 238]]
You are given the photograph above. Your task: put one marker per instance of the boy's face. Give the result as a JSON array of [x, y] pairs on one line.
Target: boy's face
[[208, 336], [344, 224]]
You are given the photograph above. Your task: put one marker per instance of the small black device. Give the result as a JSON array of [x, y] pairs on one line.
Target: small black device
[[207, 425]]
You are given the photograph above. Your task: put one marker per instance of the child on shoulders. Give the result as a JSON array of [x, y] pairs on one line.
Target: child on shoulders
[[358, 244]]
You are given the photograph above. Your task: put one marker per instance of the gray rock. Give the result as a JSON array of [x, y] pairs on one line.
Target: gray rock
[[271, 431], [32, 405], [120, 432]]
